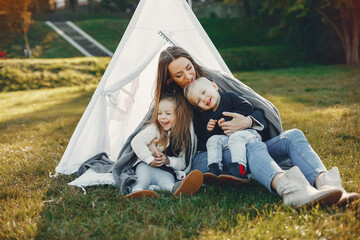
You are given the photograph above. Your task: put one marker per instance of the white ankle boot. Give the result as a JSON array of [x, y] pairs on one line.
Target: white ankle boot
[[297, 192], [332, 178]]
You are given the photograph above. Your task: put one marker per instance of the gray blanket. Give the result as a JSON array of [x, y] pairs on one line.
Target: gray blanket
[[122, 170]]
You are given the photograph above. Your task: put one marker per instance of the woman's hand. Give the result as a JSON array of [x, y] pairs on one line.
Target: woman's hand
[[239, 122], [152, 146], [161, 160]]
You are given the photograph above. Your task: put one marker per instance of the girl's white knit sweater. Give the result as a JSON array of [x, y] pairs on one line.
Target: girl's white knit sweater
[[140, 146]]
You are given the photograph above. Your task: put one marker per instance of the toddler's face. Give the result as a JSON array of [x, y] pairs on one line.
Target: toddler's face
[[166, 114], [205, 96]]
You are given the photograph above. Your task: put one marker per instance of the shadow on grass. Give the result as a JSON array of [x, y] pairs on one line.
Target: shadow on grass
[[103, 213], [213, 212]]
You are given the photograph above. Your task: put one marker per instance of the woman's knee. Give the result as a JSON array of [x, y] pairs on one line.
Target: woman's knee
[[294, 134], [256, 146], [255, 152]]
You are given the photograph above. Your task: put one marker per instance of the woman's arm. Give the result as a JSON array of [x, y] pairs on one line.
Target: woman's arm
[[240, 122], [260, 122]]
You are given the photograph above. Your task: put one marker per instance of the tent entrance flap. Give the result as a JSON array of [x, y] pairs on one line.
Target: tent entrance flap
[[134, 101]]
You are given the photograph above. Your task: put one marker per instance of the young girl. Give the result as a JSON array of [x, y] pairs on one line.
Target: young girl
[[169, 124]]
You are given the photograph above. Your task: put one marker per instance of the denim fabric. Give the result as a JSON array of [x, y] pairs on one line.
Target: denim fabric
[[236, 143], [148, 175], [200, 161], [264, 158], [214, 146]]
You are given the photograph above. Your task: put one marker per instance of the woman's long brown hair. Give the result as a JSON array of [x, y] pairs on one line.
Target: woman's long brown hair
[[165, 85]]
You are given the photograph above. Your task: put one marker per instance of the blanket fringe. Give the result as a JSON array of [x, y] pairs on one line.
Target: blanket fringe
[[83, 189], [53, 175]]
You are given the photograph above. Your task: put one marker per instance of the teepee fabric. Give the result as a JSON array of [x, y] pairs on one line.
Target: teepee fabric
[[125, 92]]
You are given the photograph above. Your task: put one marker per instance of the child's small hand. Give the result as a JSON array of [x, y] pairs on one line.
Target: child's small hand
[[153, 164], [211, 125], [222, 120], [161, 160]]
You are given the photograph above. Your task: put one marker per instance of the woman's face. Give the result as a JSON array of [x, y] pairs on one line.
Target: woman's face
[[182, 71]]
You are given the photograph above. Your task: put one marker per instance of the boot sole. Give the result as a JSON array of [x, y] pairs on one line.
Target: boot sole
[[142, 194], [224, 178], [191, 184], [210, 178], [346, 200], [327, 200]]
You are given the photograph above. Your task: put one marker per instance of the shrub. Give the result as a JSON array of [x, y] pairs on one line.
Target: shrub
[[262, 57]]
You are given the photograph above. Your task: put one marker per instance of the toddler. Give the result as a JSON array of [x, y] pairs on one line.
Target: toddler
[[204, 95]]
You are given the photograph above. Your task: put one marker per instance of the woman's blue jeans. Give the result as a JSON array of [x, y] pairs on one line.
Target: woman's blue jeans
[[264, 158]]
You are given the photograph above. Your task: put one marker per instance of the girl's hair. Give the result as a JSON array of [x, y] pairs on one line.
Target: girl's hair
[[180, 134], [164, 85]]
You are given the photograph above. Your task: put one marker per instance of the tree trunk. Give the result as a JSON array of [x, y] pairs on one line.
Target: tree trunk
[[27, 45], [349, 18], [356, 33], [346, 33], [91, 6], [247, 8], [350, 34]]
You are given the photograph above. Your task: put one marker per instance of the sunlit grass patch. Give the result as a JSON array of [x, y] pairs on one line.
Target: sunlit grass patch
[[36, 125], [18, 74], [15, 104], [312, 86], [286, 223]]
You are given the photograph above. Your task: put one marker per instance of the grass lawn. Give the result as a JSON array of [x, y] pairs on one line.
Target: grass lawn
[[36, 125], [19, 74]]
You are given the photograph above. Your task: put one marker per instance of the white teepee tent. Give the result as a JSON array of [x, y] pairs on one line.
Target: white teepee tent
[[126, 89]]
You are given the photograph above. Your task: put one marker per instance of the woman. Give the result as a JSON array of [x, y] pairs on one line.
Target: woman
[[176, 69]]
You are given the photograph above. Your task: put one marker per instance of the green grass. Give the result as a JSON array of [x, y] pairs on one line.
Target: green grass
[[36, 125], [16, 74], [110, 35], [44, 43]]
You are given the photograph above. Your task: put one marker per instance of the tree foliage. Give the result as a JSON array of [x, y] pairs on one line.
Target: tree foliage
[[118, 5], [342, 15], [17, 17]]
